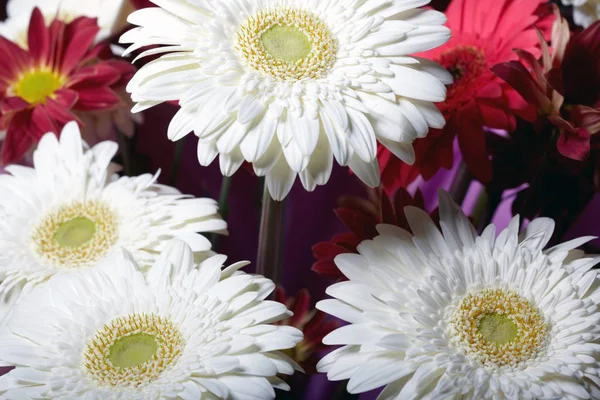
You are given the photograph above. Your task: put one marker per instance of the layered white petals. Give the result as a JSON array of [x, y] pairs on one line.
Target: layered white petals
[[229, 349], [146, 214], [373, 90], [403, 287]]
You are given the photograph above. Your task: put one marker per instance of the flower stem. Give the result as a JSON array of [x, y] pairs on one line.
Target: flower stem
[[270, 241], [223, 206], [461, 183], [179, 146], [125, 149]]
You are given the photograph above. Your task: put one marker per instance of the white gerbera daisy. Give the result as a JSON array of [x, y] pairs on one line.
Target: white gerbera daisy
[[289, 85], [15, 26], [182, 332], [454, 316], [70, 211]]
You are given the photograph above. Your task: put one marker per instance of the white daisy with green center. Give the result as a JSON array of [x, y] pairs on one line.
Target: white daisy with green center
[[291, 85], [181, 331], [453, 315], [15, 26], [70, 211]]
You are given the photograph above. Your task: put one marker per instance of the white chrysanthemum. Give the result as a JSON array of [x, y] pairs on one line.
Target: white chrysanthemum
[[455, 316], [289, 85], [70, 211], [585, 12], [19, 11], [184, 331]]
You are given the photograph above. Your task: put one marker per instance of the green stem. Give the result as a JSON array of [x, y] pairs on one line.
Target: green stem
[[125, 150], [270, 241], [460, 184], [223, 207], [179, 146]]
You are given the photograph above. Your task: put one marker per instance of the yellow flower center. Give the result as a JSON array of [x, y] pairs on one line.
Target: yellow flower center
[[287, 44], [497, 328], [132, 351], [76, 235], [37, 86]]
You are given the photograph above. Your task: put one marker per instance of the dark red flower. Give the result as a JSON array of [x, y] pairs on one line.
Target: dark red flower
[[361, 217], [564, 86], [395, 173], [62, 72], [313, 323], [484, 33]]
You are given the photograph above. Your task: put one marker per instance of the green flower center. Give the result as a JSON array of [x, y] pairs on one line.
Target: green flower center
[[132, 350], [75, 232], [37, 86], [498, 328], [287, 43]]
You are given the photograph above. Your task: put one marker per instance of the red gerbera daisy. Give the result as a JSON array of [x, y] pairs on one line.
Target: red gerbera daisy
[[362, 216], [60, 73], [311, 322], [564, 87], [484, 33]]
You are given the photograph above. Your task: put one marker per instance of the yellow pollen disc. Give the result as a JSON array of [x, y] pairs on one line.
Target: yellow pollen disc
[[35, 87], [498, 328], [132, 351], [76, 235], [287, 44]]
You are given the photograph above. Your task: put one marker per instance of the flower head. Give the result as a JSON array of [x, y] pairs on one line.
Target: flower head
[[71, 212], [14, 28], [452, 314], [60, 74], [484, 33], [291, 85], [182, 331], [313, 324]]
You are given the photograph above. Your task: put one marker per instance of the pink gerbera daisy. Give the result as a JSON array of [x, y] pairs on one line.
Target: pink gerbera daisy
[[484, 33], [60, 73]]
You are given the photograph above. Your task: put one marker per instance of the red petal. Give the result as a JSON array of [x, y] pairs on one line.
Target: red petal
[[96, 99], [38, 38], [574, 145], [517, 76], [362, 225], [79, 36], [100, 74], [471, 139], [66, 98], [58, 113], [17, 140], [12, 104]]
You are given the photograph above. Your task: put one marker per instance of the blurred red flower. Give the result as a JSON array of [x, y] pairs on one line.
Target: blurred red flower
[[563, 86], [395, 173], [60, 73], [361, 217], [313, 323], [484, 33]]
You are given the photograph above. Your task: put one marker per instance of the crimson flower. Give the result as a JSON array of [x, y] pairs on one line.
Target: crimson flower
[[484, 33], [395, 173], [60, 74], [361, 217], [311, 322], [563, 86]]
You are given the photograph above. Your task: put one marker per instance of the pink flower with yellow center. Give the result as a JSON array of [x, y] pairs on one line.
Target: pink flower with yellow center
[[61, 74]]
